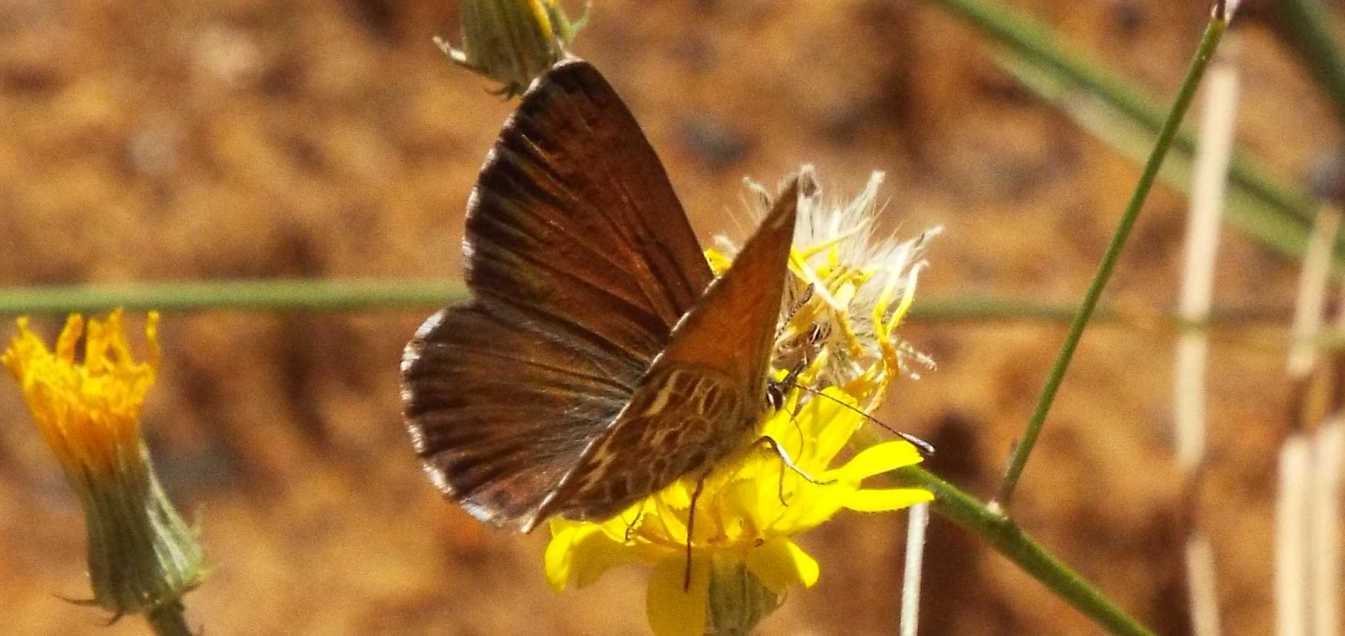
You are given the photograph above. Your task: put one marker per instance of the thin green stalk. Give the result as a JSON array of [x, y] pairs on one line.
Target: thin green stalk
[[1306, 27], [337, 295], [1006, 538], [986, 309], [169, 619], [1204, 53], [983, 309], [1037, 43], [1242, 209], [248, 295]]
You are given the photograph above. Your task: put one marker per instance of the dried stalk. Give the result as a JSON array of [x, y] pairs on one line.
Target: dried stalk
[[1213, 155]]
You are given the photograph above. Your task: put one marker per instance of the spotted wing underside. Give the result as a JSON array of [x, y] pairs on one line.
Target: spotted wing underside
[[704, 394]]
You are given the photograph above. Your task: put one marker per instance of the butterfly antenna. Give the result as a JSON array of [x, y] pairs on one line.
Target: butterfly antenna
[[926, 449]]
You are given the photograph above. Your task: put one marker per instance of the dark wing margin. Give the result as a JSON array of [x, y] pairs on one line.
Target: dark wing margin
[[580, 259]]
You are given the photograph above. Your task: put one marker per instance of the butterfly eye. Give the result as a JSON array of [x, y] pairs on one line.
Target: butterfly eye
[[776, 389]]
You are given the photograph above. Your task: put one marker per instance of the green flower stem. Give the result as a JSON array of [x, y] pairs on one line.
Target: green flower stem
[[982, 309], [247, 295], [985, 309], [1037, 43], [1306, 27], [335, 295], [1002, 534], [1204, 53], [169, 619]]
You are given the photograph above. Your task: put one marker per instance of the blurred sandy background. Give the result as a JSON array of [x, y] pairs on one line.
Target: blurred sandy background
[[243, 138]]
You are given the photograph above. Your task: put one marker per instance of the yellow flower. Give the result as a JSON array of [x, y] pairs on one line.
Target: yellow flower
[[748, 512], [141, 554], [512, 41], [861, 289], [743, 556]]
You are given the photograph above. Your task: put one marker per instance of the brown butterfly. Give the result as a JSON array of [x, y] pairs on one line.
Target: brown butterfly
[[598, 360]]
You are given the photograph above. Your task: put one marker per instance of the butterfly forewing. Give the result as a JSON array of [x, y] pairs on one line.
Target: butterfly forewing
[[580, 260], [732, 329]]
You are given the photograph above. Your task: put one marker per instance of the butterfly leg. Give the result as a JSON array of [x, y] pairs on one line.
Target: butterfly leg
[[634, 523], [788, 462], [691, 526]]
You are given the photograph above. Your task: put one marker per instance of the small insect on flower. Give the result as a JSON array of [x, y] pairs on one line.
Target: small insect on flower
[[848, 298], [142, 556]]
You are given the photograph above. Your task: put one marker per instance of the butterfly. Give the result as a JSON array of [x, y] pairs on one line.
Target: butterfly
[[598, 359]]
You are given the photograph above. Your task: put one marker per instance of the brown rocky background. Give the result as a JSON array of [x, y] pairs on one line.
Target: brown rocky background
[[169, 140]]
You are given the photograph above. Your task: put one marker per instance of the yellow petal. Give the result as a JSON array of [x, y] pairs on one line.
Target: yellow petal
[[672, 610], [813, 506], [779, 563], [582, 553], [620, 526], [69, 338], [559, 560], [833, 423], [678, 493], [779, 427], [719, 261], [886, 499], [669, 518], [880, 458]]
